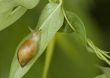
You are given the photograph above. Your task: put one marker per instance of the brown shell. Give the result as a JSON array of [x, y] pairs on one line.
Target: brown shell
[[28, 50]]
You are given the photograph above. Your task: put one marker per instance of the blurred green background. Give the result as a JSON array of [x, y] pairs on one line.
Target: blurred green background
[[70, 59]]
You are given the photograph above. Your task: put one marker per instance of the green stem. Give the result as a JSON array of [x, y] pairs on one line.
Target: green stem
[[99, 52], [104, 53], [49, 54], [64, 13]]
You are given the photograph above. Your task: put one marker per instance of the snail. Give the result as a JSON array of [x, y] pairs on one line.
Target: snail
[[29, 48]]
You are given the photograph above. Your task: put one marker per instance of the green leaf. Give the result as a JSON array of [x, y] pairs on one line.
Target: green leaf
[[79, 31], [75, 23], [53, 1], [50, 22], [29, 4], [106, 71], [101, 76], [48, 58], [66, 28], [11, 10], [9, 13]]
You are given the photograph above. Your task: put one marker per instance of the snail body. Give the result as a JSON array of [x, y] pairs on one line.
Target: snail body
[[28, 49]]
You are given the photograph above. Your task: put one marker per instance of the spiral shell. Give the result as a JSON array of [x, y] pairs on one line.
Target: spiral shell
[[28, 49]]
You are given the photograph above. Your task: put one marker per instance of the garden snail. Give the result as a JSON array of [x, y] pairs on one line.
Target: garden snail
[[29, 49]]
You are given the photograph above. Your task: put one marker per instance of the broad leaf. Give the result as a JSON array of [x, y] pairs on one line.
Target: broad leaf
[[75, 23], [106, 71], [50, 22], [29, 4], [101, 76], [9, 13], [11, 10]]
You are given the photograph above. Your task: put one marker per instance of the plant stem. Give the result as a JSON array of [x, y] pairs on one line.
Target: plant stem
[[49, 54], [64, 13], [99, 52]]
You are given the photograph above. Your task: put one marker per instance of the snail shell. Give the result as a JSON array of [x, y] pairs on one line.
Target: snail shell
[[28, 49]]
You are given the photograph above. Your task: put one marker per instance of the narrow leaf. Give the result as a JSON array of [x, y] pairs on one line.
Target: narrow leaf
[[48, 58]]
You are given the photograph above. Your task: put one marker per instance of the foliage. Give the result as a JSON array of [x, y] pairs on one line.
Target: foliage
[[53, 21]]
